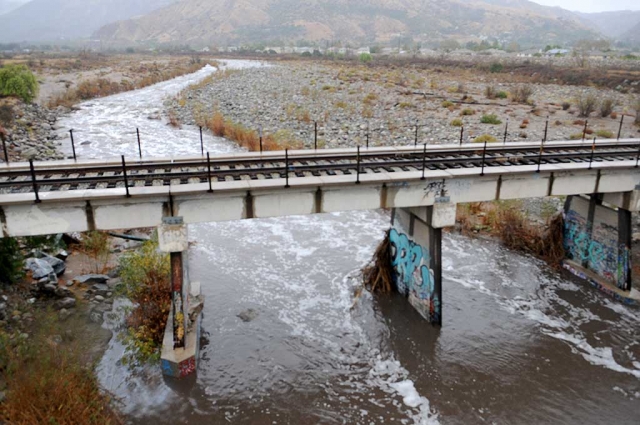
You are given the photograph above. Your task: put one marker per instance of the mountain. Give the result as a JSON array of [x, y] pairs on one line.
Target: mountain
[[633, 34], [614, 24], [218, 21], [51, 20], [7, 6]]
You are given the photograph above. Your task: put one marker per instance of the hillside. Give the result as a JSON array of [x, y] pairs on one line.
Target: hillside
[[218, 21], [633, 34], [614, 24], [9, 5], [52, 20]]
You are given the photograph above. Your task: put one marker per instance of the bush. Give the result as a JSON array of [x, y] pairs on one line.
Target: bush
[[502, 94], [496, 67], [521, 94], [636, 106], [366, 58], [576, 136], [10, 261], [490, 119], [6, 115], [447, 104], [485, 138], [490, 92], [606, 106], [566, 106], [586, 104], [604, 134], [467, 111], [457, 122], [18, 80], [146, 281]]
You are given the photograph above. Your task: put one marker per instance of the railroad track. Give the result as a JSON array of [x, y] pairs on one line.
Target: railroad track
[[86, 175]]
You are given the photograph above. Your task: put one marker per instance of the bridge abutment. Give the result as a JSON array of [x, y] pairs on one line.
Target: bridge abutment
[[416, 255], [181, 343], [597, 242]]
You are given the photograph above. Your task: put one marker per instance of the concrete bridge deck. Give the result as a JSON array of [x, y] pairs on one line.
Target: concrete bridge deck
[[91, 195]]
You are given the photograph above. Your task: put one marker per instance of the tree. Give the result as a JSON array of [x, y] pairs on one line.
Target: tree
[[449, 45], [10, 261], [18, 80]]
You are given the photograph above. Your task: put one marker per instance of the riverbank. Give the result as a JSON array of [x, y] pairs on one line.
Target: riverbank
[[350, 101]]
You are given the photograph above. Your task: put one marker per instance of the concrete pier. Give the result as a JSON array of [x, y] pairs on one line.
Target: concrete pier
[[181, 343], [416, 255]]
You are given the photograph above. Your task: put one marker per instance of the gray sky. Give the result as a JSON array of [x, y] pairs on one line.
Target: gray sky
[[593, 5]]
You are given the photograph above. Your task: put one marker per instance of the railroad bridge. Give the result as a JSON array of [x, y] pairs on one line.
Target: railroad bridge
[[422, 185]]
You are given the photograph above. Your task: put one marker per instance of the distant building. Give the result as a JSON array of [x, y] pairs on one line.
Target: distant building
[[555, 52]]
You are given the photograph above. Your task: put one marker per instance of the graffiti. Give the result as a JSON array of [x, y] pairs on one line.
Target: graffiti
[[600, 251], [413, 277], [599, 286], [439, 188]]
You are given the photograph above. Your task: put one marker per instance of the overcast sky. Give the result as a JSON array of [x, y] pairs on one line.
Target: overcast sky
[[593, 5]]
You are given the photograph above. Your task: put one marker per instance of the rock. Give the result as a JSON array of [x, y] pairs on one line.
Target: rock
[[66, 303], [99, 298], [62, 292], [64, 314], [57, 264], [91, 278], [62, 255], [100, 289], [49, 288], [248, 315], [39, 268], [96, 317]]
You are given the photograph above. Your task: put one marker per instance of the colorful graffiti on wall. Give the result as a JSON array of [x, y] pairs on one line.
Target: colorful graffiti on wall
[[413, 276], [600, 250]]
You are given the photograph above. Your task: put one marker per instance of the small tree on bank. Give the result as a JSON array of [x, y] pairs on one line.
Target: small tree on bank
[[18, 80]]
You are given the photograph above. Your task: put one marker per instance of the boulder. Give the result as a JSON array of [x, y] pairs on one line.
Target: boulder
[[91, 278], [65, 303], [39, 268], [100, 289], [57, 264]]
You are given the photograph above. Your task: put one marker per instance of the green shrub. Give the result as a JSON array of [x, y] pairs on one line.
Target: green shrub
[[365, 58], [10, 261], [576, 136], [447, 104], [457, 122], [586, 104], [485, 138], [606, 106], [502, 94], [521, 94], [467, 111], [604, 134], [18, 80], [496, 67], [490, 119]]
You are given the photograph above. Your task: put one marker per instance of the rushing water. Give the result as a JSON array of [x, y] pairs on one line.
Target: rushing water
[[519, 343]]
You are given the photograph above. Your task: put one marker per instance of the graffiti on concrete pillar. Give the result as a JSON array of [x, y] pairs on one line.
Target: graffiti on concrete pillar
[[413, 277], [600, 250]]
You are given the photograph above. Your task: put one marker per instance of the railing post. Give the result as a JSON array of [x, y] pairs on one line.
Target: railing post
[[546, 130], [584, 132], [424, 162], [315, 135], [33, 180], [73, 145], [506, 130], [620, 128], [461, 134], [260, 136], [139, 146], [209, 172], [593, 151], [201, 143], [415, 142], [358, 166], [124, 173], [484, 153], [286, 166], [367, 135], [638, 157], [540, 156]]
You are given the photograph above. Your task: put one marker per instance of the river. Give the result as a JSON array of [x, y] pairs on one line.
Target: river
[[519, 343]]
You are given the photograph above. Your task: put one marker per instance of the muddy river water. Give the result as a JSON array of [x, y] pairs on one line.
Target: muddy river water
[[519, 343]]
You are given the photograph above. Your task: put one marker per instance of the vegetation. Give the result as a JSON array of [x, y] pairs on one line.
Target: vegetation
[[146, 281], [521, 94], [496, 67], [447, 104], [636, 106], [502, 94], [586, 103], [566, 106], [456, 122], [19, 81], [485, 138], [10, 261], [46, 380], [604, 134], [490, 119], [467, 111], [490, 92], [366, 58], [95, 245], [606, 106]]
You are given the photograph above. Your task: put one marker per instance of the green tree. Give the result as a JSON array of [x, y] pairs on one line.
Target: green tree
[[18, 80]]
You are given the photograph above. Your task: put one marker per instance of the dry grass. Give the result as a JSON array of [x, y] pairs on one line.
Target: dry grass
[[47, 383], [377, 276]]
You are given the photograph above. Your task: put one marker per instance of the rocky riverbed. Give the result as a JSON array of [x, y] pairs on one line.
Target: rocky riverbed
[[30, 130], [350, 101]]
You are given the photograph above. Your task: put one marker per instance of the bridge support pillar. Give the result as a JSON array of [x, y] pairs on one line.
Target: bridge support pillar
[[181, 343], [416, 255], [597, 242]]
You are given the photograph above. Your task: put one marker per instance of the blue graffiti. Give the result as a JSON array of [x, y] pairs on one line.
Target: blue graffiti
[[412, 274]]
